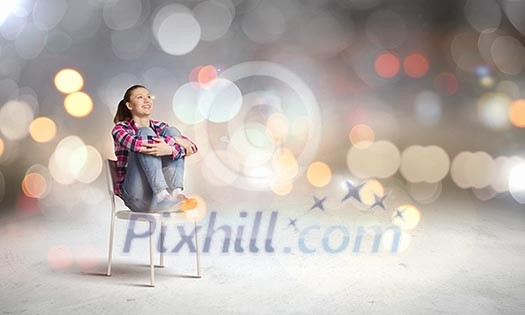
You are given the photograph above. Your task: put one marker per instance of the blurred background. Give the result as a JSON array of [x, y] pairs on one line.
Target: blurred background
[[286, 99], [334, 113]]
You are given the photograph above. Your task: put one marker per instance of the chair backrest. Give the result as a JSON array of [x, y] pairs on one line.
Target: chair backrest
[[111, 175]]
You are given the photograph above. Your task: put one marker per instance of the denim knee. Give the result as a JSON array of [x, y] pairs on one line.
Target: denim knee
[[145, 131], [172, 132]]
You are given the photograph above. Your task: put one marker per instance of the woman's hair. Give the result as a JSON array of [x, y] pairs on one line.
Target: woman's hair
[[123, 112]]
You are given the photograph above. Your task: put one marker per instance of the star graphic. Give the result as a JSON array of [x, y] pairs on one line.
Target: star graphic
[[378, 202], [399, 214], [353, 191], [318, 203], [292, 222]]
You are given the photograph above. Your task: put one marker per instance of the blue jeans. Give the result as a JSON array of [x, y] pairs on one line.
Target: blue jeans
[[147, 175]]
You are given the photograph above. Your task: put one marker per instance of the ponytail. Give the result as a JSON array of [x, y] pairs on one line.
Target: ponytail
[[123, 112]]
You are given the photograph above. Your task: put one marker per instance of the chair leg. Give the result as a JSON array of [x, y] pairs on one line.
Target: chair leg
[[162, 236], [151, 266], [197, 249], [110, 254]]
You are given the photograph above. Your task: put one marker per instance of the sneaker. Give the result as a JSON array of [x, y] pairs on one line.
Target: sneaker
[[169, 203], [181, 195]]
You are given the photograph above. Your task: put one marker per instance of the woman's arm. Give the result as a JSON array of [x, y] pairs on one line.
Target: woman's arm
[[178, 142], [123, 135], [187, 144]]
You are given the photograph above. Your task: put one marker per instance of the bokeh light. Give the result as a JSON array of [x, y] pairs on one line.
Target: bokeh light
[[415, 65], [380, 160], [428, 108], [220, 101], [483, 14], [517, 113], [85, 164], [69, 81], [244, 153], [15, 118], [82, 20], [406, 217], [122, 14], [361, 136], [502, 169], [482, 71], [277, 127], [486, 82], [424, 164], [300, 128], [206, 75], [194, 76], [61, 166], [493, 109], [214, 17], [130, 44], [30, 42], [370, 190], [319, 174], [285, 164], [472, 169], [198, 213], [47, 14], [257, 134], [7, 8], [42, 129], [34, 185], [184, 104], [387, 65], [514, 11], [507, 53], [176, 30], [464, 51], [282, 187], [78, 104], [517, 183]]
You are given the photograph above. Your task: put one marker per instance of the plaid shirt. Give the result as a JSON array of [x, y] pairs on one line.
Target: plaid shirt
[[125, 139]]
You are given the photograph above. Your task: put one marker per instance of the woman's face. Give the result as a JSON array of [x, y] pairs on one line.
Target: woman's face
[[140, 102]]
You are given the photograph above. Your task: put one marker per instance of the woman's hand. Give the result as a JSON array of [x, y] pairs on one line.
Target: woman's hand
[[187, 145], [160, 148]]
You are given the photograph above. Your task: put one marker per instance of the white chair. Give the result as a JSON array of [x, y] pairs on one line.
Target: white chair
[[126, 214]]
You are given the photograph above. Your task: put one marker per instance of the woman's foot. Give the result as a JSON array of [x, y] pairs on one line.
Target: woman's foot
[[169, 203], [177, 193]]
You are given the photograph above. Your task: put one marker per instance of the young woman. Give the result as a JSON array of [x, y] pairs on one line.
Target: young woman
[[150, 156]]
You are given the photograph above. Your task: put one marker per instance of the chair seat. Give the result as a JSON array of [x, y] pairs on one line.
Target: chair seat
[[148, 216]]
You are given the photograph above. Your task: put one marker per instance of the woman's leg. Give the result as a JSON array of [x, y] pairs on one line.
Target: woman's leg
[[173, 169], [144, 177]]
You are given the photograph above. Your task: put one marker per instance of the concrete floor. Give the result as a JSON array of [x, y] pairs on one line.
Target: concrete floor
[[465, 257]]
